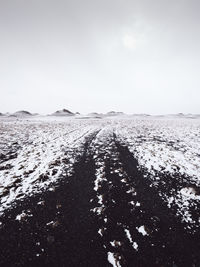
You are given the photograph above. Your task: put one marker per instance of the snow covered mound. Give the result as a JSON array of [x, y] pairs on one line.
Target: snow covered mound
[[94, 115], [182, 116], [63, 112], [114, 113], [21, 113]]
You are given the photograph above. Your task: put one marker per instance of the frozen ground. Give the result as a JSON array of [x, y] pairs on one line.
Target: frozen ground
[[100, 192]]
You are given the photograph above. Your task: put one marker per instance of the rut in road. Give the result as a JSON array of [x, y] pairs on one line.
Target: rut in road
[[167, 242], [59, 229], [105, 212], [137, 227]]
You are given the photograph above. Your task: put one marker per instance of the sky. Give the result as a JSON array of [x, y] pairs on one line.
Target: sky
[[135, 56]]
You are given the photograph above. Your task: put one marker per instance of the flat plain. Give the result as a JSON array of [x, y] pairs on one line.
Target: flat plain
[[118, 191]]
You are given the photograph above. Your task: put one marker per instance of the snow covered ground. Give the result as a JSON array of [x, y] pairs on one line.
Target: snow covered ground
[[34, 154], [139, 169], [170, 148]]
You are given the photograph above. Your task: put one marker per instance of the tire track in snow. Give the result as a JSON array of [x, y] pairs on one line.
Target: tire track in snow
[[137, 226], [56, 228], [162, 235], [34, 170]]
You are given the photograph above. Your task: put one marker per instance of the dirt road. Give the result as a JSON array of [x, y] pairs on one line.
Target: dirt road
[[106, 213]]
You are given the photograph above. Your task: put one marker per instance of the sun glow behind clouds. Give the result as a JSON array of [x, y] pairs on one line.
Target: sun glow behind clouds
[[129, 41], [135, 37]]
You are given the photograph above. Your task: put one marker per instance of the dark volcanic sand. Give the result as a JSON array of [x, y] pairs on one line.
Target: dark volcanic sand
[[72, 239]]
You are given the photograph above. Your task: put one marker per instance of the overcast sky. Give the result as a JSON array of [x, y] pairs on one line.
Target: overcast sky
[[136, 56]]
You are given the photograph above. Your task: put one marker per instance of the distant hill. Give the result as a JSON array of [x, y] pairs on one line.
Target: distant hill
[[94, 114], [63, 112], [21, 113], [183, 116], [114, 113], [141, 115]]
